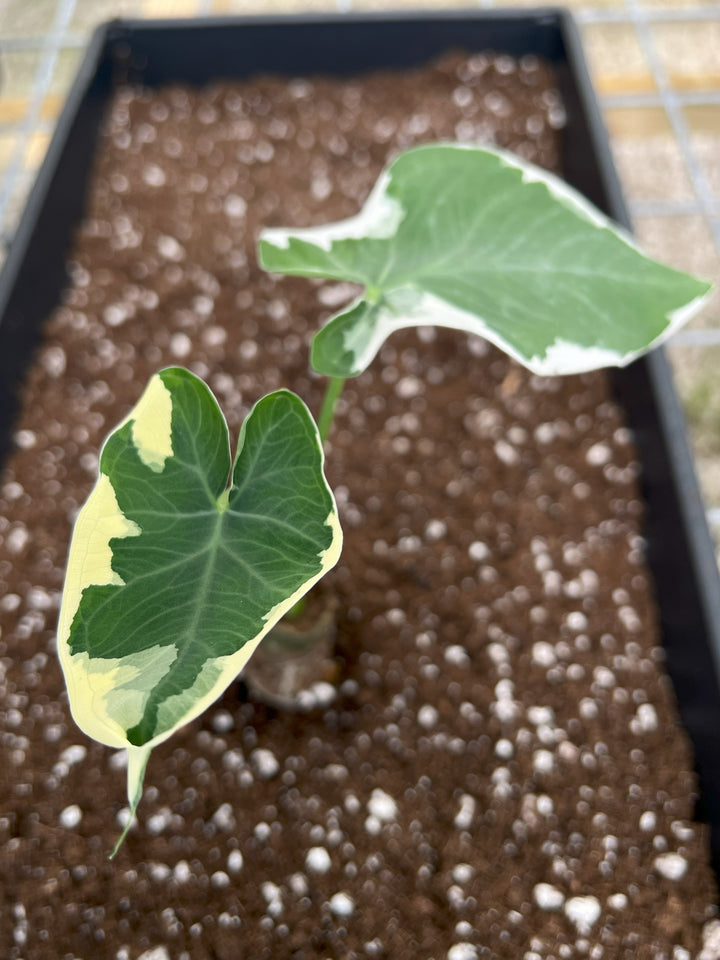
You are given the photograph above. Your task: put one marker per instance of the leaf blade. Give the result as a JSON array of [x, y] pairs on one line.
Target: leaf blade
[[172, 581], [489, 244]]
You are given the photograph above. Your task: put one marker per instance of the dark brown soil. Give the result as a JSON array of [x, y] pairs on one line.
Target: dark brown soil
[[502, 720]]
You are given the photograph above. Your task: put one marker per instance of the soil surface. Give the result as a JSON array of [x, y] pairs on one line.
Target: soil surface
[[501, 772]]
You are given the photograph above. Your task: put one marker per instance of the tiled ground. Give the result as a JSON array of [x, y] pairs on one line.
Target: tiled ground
[[656, 68]]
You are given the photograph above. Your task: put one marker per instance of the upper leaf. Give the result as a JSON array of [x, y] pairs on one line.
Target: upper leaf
[[482, 241], [174, 576]]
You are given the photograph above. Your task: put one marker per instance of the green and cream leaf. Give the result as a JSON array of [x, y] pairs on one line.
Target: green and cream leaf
[[181, 561], [481, 241]]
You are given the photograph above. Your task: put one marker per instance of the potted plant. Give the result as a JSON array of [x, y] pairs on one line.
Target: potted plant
[[330, 833]]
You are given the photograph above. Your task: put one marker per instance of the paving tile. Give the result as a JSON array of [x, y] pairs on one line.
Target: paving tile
[[17, 201], [704, 124], [647, 155], [7, 147], [35, 150], [253, 7], [169, 8], [574, 5], [690, 53], [684, 242], [616, 59], [66, 67], [695, 372], [650, 5], [26, 18], [89, 13], [18, 71], [417, 4]]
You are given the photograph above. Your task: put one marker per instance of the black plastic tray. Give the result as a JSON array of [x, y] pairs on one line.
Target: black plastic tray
[[680, 552]]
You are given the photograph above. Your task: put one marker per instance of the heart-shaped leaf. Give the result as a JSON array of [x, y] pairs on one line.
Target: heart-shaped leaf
[[482, 241], [174, 576]]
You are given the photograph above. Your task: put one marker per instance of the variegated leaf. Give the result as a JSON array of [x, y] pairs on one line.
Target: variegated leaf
[[181, 562], [481, 241]]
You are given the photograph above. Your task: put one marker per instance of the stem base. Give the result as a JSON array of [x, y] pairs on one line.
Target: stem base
[[293, 668]]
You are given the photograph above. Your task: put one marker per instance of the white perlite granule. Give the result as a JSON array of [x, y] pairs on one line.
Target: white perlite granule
[[382, 806], [182, 871], [70, 816], [462, 951], [648, 821], [264, 763], [645, 719], [169, 248], [427, 716], [543, 761], [540, 715], [159, 871], [598, 455], [457, 655], [234, 206], [342, 905], [543, 654], [583, 912], [462, 873], [478, 551], [544, 805], [671, 866], [155, 953], [180, 345], [464, 817], [506, 452], [318, 860], [74, 754], [711, 941], [548, 897], [617, 901], [435, 529], [224, 818]]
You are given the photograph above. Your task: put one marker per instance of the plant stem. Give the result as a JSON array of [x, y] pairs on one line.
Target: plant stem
[[332, 394]]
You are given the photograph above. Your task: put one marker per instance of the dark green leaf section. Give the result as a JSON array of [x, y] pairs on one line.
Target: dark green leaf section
[[207, 567], [337, 350]]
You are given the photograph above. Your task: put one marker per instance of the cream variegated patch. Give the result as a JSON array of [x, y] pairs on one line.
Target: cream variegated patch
[[108, 695], [152, 425], [90, 559], [190, 703]]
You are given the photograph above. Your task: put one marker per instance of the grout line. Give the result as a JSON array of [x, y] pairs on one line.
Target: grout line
[[28, 44], [674, 113], [672, 208], [653, 15], [689, 98], [38, 92], [709, 337]]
